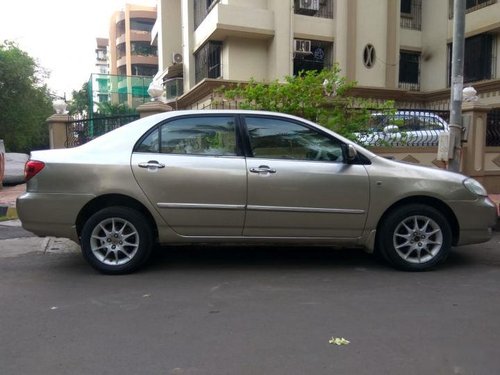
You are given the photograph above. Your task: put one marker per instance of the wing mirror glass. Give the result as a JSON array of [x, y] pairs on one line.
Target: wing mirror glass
[[351, 153]]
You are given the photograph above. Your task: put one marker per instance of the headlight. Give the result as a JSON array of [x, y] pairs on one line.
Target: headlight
[[475, 187]]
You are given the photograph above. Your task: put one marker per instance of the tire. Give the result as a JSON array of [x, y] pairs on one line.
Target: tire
[[116, 240], [414, 237]]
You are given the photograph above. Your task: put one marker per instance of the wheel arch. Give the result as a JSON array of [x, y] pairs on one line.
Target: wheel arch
[[429, 201], [111, 200]]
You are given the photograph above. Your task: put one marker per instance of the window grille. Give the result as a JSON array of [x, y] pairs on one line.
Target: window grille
[[208, 61], [314, 8], [411, 14], [479, 58], [409, 70], [320, 58]]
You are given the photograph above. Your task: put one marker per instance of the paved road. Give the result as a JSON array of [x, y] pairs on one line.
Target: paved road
[[250, 311]]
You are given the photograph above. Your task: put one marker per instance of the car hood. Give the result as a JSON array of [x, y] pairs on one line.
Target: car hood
[[404, 178]]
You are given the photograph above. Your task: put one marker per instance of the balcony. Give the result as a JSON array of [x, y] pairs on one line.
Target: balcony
[[228, 20], [144, 60]]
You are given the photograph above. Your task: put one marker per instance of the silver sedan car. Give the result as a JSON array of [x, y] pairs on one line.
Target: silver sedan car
[[246, 177]]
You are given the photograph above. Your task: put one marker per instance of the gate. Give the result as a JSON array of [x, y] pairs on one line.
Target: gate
[[82, 130]]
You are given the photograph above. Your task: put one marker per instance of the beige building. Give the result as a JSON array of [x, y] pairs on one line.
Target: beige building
[[130, 49], [398, 49]]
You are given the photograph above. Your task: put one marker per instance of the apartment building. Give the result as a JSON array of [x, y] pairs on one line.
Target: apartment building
[[133, 60], [99, 80], [393, 49], [130, 49]]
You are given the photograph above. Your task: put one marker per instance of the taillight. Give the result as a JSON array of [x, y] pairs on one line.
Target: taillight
[[31, 168]]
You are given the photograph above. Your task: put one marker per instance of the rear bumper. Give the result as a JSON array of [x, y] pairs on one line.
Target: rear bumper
[[46, 214]]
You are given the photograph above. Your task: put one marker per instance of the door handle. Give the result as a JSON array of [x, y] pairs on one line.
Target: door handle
[[151, 164], [263, 169]]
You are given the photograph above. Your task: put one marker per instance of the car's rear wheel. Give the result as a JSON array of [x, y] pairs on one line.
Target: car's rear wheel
[[116, 240], [414, 237]]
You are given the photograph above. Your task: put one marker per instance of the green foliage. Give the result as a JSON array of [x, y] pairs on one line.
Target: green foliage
[[80, 105], [113, 109], [25, 102], [80, 102], [321, 97]]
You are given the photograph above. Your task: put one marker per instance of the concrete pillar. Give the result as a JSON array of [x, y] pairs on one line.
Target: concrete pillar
[[392, 53], [473, 150], [57, 130], [153, 108]]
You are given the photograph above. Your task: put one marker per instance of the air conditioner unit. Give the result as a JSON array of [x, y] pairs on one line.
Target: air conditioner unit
[[176, 58], [302, 46], [309, 5]]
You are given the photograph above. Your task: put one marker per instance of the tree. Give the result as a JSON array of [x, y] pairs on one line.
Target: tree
[[321, 97], [25, 102], [79, 105], [80, 102]]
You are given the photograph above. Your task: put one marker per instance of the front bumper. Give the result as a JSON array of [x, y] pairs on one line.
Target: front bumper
[[476, 220]]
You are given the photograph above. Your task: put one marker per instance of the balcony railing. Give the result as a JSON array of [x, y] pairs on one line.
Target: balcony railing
[[411, 15]]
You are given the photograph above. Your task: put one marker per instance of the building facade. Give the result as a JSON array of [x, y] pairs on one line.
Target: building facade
[[100, 81], [130, 49], [133, 59], [393, 49]]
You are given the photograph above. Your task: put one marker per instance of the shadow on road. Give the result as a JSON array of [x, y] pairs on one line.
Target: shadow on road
[[247, 257]]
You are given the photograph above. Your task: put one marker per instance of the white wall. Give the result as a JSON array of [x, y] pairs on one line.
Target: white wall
[[372, 28], [245, 58]]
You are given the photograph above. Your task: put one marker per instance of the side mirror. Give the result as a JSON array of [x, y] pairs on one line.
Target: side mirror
[[351, 153]]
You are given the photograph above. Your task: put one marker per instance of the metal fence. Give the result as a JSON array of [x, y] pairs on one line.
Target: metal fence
[[404, 128], [82, 130]]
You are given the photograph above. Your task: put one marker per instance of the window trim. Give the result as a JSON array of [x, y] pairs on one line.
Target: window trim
[[360, 159], [157, 127]]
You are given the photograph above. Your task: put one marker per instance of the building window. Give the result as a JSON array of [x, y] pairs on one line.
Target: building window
[[315, 8], [201, 9], [143, 49], [471, 5], [406, 6], [142, 25], [479, 60], [409, 70], [144, 70], [319, 57], [411, 14], [369, 56], [207, 61]]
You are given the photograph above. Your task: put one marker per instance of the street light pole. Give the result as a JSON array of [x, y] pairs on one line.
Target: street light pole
[[457, 84]]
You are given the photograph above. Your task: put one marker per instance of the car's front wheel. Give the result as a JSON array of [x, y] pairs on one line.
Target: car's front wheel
[[414, 237], [116, 240]]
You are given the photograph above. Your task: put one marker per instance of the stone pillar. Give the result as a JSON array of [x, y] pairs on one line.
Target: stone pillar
[[57, 130], [153, 108], [473, 150]]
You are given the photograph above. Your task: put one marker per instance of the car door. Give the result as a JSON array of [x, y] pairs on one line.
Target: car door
[[192, 170], [299, 184]]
